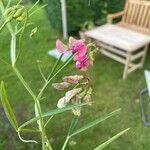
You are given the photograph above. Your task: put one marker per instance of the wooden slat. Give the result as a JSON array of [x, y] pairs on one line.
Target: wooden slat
[[113, 56], [143, 2], [138, 55], [114, 50], [140, 15], [149, 20], [145, 12], [134, 68], [125, 10], [117, 58], [132, 13], [136, 13], [129, 10], [135, 28]]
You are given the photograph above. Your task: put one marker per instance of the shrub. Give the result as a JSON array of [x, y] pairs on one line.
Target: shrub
[[79, 11]]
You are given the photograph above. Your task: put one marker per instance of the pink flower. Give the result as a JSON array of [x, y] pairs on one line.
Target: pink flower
[[61, 47], [78, 47], [83, 63]]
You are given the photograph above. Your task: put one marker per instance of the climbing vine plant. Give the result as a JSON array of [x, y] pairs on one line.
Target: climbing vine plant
[[79, 89]]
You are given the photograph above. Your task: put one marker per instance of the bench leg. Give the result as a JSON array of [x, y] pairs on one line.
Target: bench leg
[[128, 59], [144, 55]]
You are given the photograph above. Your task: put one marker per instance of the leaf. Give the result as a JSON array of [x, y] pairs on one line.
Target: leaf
[[111, 140], [73, 124], [95, 122], [7, 107], [33, 32], [51, 113]]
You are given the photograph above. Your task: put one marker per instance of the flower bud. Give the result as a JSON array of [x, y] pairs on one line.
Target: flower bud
[[73, 79], [76, 111], [71, 40], [33, 32], [22, 17], [70, 94], [60, 86], [61, 103], [19, 12], [87, 97], [92, 55]]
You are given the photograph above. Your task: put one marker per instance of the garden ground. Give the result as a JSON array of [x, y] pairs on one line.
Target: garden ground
[[110, 93]]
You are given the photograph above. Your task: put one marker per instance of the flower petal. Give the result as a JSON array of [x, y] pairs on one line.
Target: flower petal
[[61, 47], [61, 102]]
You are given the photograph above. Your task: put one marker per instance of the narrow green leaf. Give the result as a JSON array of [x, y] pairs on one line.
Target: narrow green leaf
[[7, 107], [111, 140], [51, 113], [29, 130], [73, 124], [95, 122]]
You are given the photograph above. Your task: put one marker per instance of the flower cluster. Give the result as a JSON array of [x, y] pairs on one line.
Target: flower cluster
[[80, 92], [79, 49]]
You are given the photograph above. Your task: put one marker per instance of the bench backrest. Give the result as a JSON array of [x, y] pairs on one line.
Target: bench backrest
[[137, 12]]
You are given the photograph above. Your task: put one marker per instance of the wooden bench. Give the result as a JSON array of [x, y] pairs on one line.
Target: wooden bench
[[127, 41]]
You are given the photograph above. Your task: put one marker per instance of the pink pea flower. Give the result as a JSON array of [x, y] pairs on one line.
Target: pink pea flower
[[83, 64], [78, 47], [61, 47]]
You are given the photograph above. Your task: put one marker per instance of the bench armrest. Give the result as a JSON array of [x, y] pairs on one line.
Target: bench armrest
[[115, 15]]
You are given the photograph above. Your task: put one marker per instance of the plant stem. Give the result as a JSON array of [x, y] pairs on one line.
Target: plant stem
[[54, 67], [55, 74], [65, 143], [37, 110]]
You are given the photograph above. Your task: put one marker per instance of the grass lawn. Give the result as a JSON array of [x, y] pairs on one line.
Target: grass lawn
[[110, 93]]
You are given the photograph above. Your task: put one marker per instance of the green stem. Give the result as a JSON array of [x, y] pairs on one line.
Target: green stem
[[65, 143], [13, 50], [3, 25], [48, 121], [38, 107], [55, 66], [57, 72], [37, 103], [24, 82]]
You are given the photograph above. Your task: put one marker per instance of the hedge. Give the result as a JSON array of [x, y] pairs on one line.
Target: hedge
[[79, 11]]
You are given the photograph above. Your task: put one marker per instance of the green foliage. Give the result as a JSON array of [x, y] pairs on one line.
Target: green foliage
[[102, 146], [79, 12], [7, 107], [34, 1], [115, 93], [95, 122]]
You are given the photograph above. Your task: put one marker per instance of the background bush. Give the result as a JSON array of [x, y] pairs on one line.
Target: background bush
[[79, 11]]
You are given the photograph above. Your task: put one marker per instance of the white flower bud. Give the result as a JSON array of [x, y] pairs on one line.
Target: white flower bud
[[61, 103]]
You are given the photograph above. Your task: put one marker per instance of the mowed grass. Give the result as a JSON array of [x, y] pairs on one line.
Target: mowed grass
[[110, 93]]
